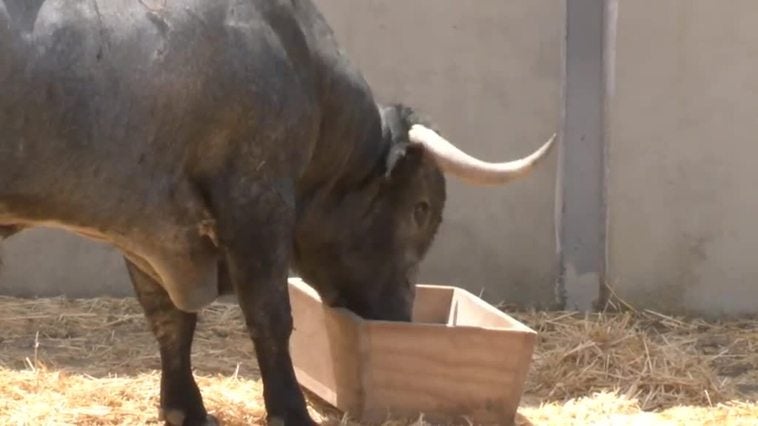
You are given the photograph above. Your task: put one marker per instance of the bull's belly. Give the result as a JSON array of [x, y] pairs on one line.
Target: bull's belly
[[170, 241]]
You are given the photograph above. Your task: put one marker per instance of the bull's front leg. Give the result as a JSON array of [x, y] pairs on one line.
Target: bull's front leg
[[180, 401], [256, 231]]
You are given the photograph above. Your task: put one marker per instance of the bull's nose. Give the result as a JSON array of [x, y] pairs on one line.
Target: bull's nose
[[396, 315], [381, 314]]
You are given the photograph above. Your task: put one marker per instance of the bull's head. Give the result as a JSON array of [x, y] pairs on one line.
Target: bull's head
[[365, 253]]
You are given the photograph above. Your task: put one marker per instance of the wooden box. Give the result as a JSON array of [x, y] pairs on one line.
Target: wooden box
[[460, 360]]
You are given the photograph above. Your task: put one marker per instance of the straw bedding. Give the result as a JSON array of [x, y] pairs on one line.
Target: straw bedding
[[94, 362]]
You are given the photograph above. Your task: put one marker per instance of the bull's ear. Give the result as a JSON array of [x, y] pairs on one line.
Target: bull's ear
[[396, 153], [403, 158]]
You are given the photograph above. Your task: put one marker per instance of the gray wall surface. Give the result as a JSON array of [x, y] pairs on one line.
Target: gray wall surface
[[682, 195], [488, 73], [50, 262]]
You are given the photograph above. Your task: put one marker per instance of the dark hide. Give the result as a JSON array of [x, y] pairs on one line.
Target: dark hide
[[216, 144]]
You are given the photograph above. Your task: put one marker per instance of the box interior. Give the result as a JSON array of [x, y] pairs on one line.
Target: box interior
[[432, 304], [445, 305], [456, 307]]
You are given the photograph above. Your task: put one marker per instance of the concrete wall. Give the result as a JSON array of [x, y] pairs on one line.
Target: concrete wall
[[487, 72], [682, 149], [48, 262]]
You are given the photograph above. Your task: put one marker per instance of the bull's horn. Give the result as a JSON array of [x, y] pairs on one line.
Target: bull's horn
[[457, 163]]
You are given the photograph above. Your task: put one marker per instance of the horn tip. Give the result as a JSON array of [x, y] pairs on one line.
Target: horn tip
[[549, 144], [553, 138]]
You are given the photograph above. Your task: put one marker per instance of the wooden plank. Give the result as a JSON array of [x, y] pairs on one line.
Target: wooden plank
[[323, 349], [444, 372], [472, 311]]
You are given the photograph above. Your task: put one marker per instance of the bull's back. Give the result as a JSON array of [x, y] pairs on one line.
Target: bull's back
[[126, 94]]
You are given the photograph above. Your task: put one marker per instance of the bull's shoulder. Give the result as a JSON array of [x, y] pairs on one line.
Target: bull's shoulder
[[51, 17]]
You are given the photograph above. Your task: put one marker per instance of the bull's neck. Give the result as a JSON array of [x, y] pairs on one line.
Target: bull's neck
[[350, 145], [348, 151]]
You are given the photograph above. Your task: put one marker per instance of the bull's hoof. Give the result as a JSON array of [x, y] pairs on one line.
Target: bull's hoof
[[276, 421], [176, 417]]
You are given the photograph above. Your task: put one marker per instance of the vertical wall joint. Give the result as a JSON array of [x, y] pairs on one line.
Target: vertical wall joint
[[581, 208]]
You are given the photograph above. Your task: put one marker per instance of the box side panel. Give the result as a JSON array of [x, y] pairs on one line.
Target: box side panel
[[445, 373], [323, 348], [432, 304]]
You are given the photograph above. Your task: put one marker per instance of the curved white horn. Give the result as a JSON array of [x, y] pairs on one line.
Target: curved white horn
[[457, 163]]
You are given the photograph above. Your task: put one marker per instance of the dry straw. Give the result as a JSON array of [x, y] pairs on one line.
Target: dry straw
[[648, 357], [94, 362]]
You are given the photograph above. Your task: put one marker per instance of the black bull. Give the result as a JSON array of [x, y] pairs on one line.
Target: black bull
[[216, 144]]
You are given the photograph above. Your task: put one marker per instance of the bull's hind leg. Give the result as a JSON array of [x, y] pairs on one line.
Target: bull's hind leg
[[181, 403]]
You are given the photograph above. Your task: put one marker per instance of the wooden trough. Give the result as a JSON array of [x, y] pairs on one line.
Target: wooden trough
[[460, 360]]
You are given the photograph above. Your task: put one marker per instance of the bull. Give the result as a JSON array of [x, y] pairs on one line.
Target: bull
[[217, 144]]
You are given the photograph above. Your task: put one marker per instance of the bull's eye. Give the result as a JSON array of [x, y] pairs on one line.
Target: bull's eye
[[421, 213]]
